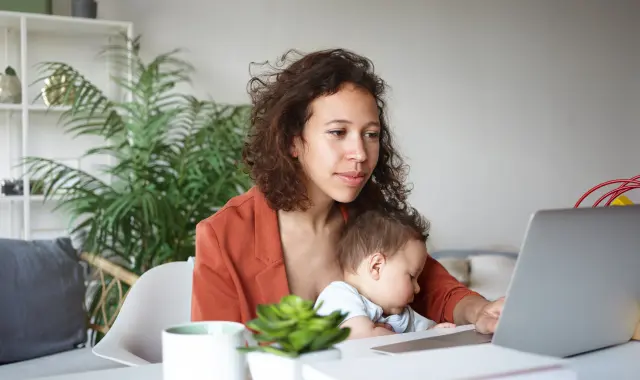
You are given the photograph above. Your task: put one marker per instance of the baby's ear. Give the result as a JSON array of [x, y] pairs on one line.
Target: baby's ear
[[376, 263]]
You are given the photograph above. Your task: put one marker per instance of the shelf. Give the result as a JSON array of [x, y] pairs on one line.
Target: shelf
[[30, 39], [45, 108], [33, 108], [22, 198], [63, 25]]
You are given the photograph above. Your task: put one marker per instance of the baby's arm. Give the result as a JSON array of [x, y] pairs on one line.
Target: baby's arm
[[363, 327], [421, 323], [341, 296]]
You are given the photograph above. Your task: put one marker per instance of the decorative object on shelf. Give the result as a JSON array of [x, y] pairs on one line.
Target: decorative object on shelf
[[58, 90], [290, 334], [13, 186], [613, 197], [177, 159], [84, 8], [10, 87], [10, 187]]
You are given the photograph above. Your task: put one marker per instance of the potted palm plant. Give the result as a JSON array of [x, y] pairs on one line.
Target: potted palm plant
[[176, 159], [291, 333]]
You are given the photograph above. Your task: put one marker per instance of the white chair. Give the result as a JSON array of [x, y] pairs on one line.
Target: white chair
[[160, 298]]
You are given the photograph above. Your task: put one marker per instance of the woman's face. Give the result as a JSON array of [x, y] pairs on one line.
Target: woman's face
[[340, 144]]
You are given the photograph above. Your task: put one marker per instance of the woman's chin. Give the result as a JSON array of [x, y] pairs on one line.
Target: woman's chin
[[346, 195]]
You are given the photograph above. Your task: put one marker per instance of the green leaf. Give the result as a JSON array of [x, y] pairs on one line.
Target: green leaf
[[270, 312], [330, 337], [294, 326], [300, 339]]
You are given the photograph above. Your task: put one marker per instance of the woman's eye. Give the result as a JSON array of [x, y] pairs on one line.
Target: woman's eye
[[373, 135], [337, 132]]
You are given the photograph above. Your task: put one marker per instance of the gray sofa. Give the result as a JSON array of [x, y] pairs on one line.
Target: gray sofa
[[43, 318]]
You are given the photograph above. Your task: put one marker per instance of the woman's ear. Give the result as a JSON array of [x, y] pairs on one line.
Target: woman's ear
[[377, 262], [296, 145]]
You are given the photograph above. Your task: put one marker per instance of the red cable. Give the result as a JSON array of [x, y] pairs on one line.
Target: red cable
[[614, 196], [614, 191], [619, 193], [623, 182]]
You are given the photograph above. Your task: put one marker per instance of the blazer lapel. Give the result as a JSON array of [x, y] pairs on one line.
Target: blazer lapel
[[272, 280]]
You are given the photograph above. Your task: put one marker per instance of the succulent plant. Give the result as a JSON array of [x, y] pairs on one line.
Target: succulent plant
[[293, 327]]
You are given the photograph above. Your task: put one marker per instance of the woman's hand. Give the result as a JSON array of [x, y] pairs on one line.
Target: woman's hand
[[488, 316], [478, 311]]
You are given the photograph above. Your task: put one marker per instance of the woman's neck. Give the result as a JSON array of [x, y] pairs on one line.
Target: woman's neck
[[316, 217]]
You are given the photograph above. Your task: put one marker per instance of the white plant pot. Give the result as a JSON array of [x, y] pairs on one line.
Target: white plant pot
[[264, 366]]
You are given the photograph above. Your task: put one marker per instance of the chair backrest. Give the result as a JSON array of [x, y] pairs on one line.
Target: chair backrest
[[160, 298]]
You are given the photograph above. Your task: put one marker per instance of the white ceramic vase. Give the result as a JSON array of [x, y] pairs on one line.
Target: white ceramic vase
[[265, 366], [10, 89]]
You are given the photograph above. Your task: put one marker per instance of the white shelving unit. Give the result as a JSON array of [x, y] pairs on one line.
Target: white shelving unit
[[31, 128]]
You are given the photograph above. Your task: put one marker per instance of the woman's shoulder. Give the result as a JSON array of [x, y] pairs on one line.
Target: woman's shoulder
[[240, 212]]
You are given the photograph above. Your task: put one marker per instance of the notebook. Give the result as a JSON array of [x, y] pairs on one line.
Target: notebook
[[461, 338]]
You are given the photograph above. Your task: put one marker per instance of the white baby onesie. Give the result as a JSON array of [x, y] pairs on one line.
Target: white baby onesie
[[341, 296]]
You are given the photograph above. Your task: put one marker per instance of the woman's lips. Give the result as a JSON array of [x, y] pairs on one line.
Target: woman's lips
[[351, 178]]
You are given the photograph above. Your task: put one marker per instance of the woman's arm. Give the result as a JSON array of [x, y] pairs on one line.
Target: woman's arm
[[442, 298], [468, 309], [214, 296]]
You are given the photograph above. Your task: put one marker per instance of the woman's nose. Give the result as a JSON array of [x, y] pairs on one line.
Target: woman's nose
[[356, 151]]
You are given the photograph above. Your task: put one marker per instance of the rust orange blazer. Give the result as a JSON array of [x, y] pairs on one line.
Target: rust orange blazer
[[239, 264]]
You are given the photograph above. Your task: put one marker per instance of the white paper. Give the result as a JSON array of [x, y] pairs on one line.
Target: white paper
[[479, 361]]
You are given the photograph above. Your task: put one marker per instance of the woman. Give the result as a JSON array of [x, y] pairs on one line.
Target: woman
[[319, 151]]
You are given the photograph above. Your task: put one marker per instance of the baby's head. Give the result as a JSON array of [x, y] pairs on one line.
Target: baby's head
[[382, 254]]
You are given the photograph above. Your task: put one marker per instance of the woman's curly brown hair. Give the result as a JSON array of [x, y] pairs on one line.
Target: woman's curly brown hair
[[281, 98]]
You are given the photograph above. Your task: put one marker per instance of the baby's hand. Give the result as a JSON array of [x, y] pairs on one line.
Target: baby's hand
[[445, 325], [384, 325]]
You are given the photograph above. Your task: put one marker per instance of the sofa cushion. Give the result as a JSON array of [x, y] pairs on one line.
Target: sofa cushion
[[484, 271], [42, 299], [490, 274], [458, 268]]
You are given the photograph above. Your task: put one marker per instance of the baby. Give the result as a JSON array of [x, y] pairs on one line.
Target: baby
[[381, 256]]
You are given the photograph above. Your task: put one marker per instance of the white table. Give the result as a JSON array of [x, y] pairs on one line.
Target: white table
[[618, 362]]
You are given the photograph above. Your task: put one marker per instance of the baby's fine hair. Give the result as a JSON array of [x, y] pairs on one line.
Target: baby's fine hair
[[379, 231]]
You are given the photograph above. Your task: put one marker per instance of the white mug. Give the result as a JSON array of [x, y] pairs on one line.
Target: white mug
[[205, 351]]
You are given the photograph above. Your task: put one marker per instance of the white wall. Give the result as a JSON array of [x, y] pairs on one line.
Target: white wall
[[502, 107]]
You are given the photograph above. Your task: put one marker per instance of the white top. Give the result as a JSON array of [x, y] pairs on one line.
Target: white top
[[341, 296]]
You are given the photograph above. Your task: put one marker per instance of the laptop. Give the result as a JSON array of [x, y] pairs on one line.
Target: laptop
[[575, 286]]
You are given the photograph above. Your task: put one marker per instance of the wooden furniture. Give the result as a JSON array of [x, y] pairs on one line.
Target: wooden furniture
[[114, 283]]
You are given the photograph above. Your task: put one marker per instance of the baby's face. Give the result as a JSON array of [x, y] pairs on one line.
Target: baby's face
[[398, 281]]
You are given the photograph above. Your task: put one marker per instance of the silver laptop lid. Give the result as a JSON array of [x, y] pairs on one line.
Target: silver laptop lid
[[576, 284]]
